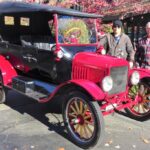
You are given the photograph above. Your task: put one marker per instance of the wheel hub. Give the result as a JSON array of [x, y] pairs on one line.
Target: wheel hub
[[140, 98], [81, 119]]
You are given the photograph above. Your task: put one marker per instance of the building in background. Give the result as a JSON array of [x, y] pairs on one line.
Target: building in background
[[134, 16]]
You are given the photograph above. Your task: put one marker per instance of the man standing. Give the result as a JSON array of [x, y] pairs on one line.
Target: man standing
[[142, 56], [118, 44]]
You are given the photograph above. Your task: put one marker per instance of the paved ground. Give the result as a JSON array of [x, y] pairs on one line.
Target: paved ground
[[26, 125]]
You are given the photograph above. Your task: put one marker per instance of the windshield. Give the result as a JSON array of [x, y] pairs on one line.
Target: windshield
[[74, 30]]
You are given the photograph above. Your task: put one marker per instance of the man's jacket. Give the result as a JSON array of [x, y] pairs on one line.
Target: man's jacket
[[122, 49]]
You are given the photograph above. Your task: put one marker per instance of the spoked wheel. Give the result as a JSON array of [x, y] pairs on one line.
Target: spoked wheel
[[141, 92], [83, 119]]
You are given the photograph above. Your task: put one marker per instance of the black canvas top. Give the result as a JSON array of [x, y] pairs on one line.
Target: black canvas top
[[18, 7]]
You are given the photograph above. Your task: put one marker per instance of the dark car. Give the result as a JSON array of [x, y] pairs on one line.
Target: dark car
[[33, 43], [49, 51]]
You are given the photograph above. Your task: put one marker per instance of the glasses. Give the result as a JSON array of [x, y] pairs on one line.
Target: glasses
[[116, 27]]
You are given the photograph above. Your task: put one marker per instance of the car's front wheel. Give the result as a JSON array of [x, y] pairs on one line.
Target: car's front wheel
[[83, 119]]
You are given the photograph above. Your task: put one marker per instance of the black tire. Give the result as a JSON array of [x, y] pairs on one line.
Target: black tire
[[3, 92], [83, 120], [2, 96], [140, 111]]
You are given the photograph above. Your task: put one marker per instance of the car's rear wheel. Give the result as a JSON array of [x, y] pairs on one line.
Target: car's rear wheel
[[140, 92], [83, 119], [2, 92]]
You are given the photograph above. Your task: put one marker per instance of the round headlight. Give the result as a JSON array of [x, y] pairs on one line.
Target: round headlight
[[135, 78], [107, 84]]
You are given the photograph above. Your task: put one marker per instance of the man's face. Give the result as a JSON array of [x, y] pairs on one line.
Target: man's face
[[117, 30], [148, 30]]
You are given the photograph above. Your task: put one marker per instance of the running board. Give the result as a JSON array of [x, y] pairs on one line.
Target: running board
[[32, 88]]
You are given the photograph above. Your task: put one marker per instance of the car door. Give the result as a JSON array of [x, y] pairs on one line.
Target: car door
[[47, 63]]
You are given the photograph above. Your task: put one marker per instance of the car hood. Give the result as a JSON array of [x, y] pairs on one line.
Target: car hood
[[97, 60]]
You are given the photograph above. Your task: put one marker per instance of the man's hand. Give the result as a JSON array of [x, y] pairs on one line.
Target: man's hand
[[131, 64]]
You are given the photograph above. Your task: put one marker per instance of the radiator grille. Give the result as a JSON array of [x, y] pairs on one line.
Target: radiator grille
[[119, 76], [80, 72], [87, 73]]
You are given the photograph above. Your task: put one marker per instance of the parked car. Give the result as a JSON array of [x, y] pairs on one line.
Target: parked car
[[48, 51]]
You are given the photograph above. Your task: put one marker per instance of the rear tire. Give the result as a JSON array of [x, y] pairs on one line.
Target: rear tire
[[3, 92], [83, 120], [2, 96], [140, 111]]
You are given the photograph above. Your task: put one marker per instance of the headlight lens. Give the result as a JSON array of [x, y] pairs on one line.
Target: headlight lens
[[135, 78], [107, 84]]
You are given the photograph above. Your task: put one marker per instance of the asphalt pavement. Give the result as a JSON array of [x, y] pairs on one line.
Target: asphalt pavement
[[27, 125]]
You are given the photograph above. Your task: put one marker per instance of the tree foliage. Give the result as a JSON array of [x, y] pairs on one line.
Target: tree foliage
[[105, 7], [113, 7]]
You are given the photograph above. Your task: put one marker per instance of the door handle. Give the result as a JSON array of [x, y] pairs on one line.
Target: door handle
[[33, 59], [30, 58], [25, 57]]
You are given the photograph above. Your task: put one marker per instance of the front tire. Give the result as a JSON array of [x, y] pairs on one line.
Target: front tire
[[140, 111], [83, 120]]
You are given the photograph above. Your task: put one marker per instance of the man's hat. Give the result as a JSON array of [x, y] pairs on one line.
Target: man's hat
[[117, 23]]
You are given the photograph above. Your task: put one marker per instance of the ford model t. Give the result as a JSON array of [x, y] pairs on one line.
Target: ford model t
[[47, 52]]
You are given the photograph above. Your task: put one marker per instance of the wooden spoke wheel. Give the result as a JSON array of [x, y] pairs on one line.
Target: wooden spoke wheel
[[140, 92], [83, 119]]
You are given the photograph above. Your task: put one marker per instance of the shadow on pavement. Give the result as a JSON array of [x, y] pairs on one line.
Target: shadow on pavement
[[123, 113], [23, 104]]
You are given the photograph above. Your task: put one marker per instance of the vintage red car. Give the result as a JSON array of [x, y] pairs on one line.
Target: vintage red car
[[48, 51]]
